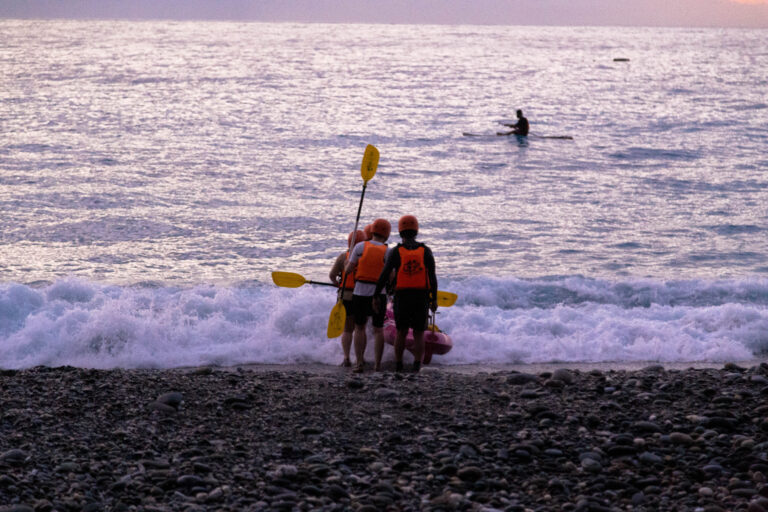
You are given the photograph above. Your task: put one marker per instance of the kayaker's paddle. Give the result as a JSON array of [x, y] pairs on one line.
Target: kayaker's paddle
[[446, 299], [294, 280], [367, 170]]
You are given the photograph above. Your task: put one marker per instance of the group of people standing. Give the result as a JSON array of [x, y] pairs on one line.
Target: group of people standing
[[367, 271]]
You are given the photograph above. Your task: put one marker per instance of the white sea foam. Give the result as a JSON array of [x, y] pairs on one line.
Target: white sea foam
[[86, 324]]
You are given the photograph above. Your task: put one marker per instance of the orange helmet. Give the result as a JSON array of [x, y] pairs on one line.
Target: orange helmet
[[359, 237], [408, 222], [381, 227], [368, 232]]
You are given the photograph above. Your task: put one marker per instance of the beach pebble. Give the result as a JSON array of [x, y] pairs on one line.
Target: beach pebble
[[470, 473], [355, 383], [385, 393], [591, 465], [14, 457], [172, 398], [518, 379], [680, 438], [646, 426], [162, 408], [649, 458], [563, 375]]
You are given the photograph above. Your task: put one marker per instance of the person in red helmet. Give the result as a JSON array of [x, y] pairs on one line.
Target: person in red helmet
[[337, 277], [415, 288], [367, 230], [366, 261]]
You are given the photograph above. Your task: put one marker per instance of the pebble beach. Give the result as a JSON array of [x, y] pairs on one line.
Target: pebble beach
[[270, 438]]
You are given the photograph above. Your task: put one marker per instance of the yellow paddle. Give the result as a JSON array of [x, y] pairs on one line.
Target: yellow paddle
[[367, 169], [294, 280], [446, 299]]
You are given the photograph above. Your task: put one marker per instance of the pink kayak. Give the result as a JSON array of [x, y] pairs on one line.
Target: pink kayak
[[436, 342]]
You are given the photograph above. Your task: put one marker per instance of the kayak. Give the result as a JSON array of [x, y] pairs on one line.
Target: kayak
[[435, 342]]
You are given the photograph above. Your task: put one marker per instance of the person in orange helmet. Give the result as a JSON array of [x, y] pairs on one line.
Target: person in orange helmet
[[415, 289], [367, 230], [337, 277], [366, 261]]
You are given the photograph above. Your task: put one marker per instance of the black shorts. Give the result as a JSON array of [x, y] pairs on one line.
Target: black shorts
[[411, 308], [362, 308]]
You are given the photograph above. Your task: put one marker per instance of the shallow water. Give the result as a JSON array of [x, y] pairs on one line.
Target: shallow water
[[163, 169]]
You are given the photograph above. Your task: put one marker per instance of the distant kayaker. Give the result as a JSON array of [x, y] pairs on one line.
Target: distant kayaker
[[366, 262], [520, 127], [415, 289], [337, 277]]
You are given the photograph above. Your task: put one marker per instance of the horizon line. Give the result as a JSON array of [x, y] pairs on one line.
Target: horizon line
[[434, 23]]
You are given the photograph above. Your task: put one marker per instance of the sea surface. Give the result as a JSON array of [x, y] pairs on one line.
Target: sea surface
[[153, 174]]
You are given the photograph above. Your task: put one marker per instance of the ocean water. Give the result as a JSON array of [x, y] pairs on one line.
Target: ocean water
[[152, 174]]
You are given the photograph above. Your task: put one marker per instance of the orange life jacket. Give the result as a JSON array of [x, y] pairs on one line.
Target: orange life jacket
[[371, 263], [412, 274], [350, 282]]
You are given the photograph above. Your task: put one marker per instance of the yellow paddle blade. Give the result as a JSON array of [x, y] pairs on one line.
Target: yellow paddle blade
[[337, 320], [370, 163], [446, 299], [288, 279]]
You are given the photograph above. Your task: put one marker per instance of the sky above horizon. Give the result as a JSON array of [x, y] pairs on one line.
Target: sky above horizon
[[685, 13]]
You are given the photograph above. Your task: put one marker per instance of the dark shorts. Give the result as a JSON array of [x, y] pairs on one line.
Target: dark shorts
[[362, 308], [411, 308]]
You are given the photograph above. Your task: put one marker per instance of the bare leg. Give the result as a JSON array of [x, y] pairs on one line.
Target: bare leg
[[418, 349], [378, 340], [400, 347], [346, 346], [361, 340], [346, 339]]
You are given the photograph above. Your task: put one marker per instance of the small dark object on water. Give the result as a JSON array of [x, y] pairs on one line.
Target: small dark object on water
[[620, 59]]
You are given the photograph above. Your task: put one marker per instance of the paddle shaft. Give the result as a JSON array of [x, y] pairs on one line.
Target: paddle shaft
[[323, 284], [354, 231]]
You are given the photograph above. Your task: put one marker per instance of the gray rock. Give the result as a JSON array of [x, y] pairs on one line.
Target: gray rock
[[172, 398], [355, 384], [591, 465], [563, 375], [162, 408], [68, 467], [713, 469], [517, 379], [680, 438], [190, 481], [646, 426], [385, 393], [649, 458], [17, 508], [14, 457], [470, 473], [337, 492]]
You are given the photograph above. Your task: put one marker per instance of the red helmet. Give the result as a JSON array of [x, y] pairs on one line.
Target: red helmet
[[381, 227], [408, 222], [359, 237], [368, 232]]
